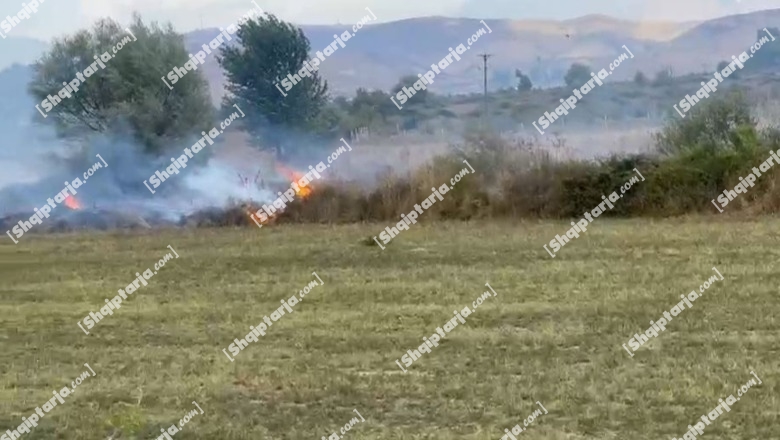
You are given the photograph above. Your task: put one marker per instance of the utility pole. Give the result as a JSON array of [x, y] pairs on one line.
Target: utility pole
[[485, 57]]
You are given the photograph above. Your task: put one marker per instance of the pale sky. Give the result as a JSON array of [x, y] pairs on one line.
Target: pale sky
[[56, 17]]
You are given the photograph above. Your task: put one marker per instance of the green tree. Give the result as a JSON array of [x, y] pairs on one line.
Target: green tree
[[641, 79], [330, 122], [420, 98], [369, 108], [128, 90], [259, 68], [577, 75], [715, 125], [723, 64], [663, 77], [414, 110], [523, 81]]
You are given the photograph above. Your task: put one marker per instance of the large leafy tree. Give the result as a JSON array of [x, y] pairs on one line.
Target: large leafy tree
[[369, 108], [577, 75], [414, 108], [664, 77], [523, 81], [128, 92], [420, 98], [640, 79], [267, 51]]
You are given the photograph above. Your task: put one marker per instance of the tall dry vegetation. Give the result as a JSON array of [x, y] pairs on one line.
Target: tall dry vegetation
[[697, 158]]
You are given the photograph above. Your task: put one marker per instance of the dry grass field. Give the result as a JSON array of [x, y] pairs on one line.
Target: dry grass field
[[553, 333]]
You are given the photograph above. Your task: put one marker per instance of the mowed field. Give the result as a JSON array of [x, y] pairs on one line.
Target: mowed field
[[553, 333]]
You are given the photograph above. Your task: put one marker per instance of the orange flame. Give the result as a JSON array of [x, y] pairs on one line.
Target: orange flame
[[295, 176], [72, 203]]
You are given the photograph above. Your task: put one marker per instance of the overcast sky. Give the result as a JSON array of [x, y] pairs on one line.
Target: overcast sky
[[56, 17]]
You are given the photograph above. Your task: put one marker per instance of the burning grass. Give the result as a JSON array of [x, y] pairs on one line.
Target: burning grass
[[512, 180], [294, 176], [73, 203]]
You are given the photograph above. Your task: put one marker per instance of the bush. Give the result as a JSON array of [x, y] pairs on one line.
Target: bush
[[663, 77], [720, 123], [577, 75], [641, 79], [583, 190]]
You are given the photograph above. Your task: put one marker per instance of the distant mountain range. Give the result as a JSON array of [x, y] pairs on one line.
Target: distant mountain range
[[378, 55]]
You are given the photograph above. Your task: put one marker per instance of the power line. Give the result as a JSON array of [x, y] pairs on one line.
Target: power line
[[485, 57]]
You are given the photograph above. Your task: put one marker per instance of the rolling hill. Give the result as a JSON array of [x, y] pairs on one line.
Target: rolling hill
[[378, 55]]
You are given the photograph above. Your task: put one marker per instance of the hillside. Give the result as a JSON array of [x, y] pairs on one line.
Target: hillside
[[540, 48], [544, 49]]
